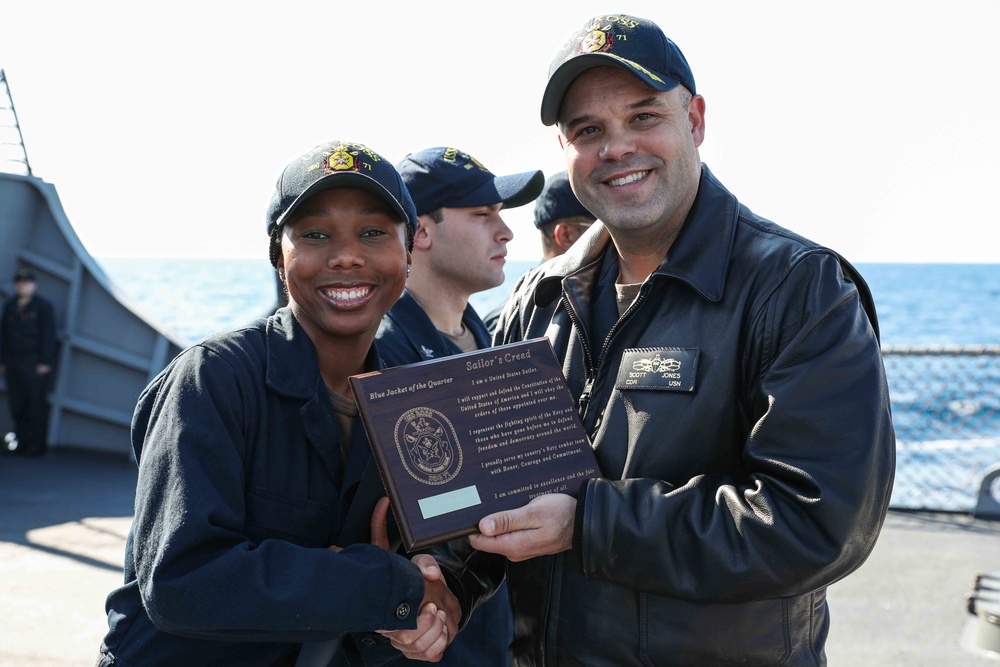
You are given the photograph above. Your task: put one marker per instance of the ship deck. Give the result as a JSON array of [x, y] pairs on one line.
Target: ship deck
[[64, 519]]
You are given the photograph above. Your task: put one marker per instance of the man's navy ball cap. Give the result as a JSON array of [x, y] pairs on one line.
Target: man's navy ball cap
[[339, 164], [444, 177], [558, 201], [636, 45]]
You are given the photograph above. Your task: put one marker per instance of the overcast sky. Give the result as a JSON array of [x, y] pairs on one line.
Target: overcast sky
[[871, 127]]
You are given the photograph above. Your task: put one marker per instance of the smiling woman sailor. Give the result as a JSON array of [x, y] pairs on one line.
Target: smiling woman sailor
[[260, 520]]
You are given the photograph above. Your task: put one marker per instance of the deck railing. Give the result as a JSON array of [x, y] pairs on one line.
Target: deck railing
[[946, 412], [13, 156]]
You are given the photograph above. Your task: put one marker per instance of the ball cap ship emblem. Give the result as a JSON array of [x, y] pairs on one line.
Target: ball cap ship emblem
[[634, 44], [339, 164], [340, 161]]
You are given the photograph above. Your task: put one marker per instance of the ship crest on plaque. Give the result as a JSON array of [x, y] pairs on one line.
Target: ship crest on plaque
[[428, 446]]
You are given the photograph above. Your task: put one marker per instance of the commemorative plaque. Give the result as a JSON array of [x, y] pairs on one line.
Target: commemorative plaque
[[458, 438]]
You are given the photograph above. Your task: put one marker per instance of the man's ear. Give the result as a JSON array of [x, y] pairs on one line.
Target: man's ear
[[696, 116], [564, 235], [424, 237]]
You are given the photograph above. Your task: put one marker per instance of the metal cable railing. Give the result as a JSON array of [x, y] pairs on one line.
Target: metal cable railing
[[946, 412], [13, 156]]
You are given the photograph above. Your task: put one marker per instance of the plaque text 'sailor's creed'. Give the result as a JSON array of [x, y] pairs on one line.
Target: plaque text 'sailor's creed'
[[465, 436]]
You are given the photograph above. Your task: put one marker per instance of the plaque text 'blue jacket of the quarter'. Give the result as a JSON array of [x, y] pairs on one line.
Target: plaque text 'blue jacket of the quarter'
[[740, 416], [242, 487]]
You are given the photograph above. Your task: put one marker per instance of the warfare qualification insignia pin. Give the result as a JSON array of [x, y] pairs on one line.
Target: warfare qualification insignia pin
[[428, 446], [663, 369]]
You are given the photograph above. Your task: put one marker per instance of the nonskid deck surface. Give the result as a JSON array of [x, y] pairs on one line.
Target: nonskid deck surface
[[64, 518]]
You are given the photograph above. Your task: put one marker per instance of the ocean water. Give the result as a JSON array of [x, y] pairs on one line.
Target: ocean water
[[918, 304], [946, 409], [195, 297], [936, 304]]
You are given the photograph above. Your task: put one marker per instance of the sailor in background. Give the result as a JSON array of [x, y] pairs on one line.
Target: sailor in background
[[27, 356], [560, 219], [458, 250]]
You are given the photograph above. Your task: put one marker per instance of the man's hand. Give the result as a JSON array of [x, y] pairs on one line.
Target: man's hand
[[437, 593], [440, 611], [437, 623], [428, 641], [542, 527]]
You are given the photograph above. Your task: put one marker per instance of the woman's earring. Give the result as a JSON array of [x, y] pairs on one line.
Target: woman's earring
[[407, 271], [281, 275]]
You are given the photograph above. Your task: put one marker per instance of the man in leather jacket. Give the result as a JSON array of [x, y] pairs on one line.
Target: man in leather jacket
[[728, 373]]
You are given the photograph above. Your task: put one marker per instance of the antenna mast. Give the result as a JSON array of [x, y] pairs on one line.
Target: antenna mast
[[12, 151]]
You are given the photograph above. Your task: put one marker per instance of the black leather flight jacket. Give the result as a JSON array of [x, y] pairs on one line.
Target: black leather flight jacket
[[740, 414]]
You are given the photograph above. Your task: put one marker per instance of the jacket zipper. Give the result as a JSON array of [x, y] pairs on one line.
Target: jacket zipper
[[551, 629], [588, 385], [591, 367]]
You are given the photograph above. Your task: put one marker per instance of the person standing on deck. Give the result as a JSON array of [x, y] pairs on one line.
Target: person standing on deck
[[260, 532], [27, 357], [729, 375]]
